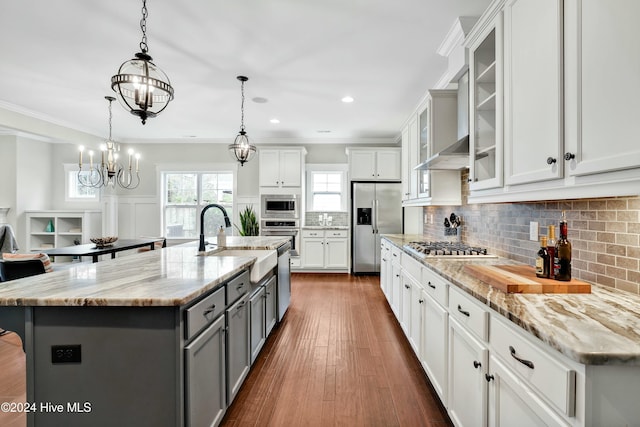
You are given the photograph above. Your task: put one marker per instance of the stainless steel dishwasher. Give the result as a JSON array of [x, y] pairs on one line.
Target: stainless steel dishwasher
[[284, 279]]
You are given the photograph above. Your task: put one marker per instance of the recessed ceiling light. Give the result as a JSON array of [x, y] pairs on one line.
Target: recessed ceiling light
[[260, 100], [274, 121], [347, 99], [324, 131]]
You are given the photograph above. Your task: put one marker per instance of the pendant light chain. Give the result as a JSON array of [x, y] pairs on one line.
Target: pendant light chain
[[143, 26], [242, 107], [110, 117]]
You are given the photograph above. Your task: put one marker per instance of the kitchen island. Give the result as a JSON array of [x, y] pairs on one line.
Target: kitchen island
[[156, 338], [510, 359]]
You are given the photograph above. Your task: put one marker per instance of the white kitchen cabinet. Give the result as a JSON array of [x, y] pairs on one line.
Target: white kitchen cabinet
[[409, 160], [325, 249], [601, 101], [396, 284], [385, 267], [468, 361], [533, 100], [374, 164], [281, 168], [433, 356], [69, 227], [486, 102], [405, 305], [512, 402]]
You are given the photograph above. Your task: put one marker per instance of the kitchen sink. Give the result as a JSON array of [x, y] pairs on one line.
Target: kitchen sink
[[266, 260]]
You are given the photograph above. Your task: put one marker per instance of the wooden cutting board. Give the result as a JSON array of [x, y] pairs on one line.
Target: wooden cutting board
[[522, 279]]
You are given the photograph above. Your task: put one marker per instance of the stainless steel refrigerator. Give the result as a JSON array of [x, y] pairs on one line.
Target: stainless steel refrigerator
[[376, 209]]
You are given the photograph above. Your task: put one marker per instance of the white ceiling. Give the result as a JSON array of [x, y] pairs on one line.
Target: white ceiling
[[303, 56]]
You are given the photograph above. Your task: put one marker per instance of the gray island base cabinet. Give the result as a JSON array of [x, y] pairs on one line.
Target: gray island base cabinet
[[136, 366]]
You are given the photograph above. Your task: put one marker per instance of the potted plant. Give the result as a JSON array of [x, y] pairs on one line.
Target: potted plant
[[248, 222]]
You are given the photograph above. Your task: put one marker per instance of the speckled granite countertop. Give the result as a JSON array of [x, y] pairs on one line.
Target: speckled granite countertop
[[601, 328], [171, 276]]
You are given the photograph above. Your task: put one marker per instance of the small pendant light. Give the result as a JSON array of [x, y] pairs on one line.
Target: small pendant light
[[142, 87], [241, 149]]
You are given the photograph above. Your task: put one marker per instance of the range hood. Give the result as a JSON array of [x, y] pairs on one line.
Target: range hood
[[454, 157]]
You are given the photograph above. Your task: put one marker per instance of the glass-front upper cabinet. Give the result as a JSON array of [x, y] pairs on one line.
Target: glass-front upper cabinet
[[424, 150], [486, 99]]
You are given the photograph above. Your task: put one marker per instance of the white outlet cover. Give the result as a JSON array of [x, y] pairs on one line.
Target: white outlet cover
[[533, 231]]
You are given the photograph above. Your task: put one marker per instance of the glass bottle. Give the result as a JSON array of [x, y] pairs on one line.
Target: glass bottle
[[542, 260], [562, 262], [551, 249]]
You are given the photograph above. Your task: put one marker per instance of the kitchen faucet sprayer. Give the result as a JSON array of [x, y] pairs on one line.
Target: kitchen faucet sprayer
[[227, 222]]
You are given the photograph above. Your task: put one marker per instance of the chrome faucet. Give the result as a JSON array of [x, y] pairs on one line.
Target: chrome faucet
[[227, 222]]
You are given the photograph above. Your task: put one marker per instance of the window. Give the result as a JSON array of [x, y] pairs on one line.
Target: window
[[326, 188], [74, 191], [185, 194]]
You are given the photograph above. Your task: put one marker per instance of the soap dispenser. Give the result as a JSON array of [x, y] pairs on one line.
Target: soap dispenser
[[222, 238]]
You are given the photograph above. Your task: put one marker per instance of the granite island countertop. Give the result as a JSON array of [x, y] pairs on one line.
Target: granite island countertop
[[172, 276], [601, 328]]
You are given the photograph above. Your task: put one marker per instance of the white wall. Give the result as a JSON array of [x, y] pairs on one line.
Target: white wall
[[8, 176]]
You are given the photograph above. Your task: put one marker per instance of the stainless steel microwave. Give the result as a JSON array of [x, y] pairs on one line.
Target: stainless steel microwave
[[280, 206]]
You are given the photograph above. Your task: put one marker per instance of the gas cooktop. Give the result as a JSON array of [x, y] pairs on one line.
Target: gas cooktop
[[446, 249]]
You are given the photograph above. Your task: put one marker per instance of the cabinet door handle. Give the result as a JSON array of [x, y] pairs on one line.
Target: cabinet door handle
[[239, 286], [550, 160], [488, 377], [407, 286], [430, 285], [466, 313], [397, 275], [384, 259], [420, 301], [527, 363], [476, 364], [241, 305], [209, 310], [569, 156]]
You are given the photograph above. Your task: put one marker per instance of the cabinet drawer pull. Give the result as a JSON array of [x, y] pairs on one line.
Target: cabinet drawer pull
[[384, 259], [476, 364], [466, 313], [209, 310], [430, 285], [407, 286], [488, 377], [420, 301], [240, 286], [527, 363], [241, 305]]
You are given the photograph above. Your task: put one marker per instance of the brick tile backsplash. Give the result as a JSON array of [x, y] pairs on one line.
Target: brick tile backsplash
[[605, 233]]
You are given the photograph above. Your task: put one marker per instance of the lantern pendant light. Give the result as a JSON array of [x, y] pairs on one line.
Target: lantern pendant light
[[241, 149], [142, 87]]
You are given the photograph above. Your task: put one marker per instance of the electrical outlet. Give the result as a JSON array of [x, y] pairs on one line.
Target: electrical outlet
[[533, 230], [431, 219], [66, 354]]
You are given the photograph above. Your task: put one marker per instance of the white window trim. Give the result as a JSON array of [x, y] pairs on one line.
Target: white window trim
[[164, 168], [326, 167], [73, 167]]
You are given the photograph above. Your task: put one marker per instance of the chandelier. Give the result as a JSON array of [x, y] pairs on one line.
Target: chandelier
[[109, 172], [142, 87], [241, 149]]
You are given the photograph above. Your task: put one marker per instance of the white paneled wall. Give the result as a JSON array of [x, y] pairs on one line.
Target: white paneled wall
[[138, 216]]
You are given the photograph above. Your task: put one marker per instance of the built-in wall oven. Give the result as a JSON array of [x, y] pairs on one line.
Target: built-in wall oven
[[280, 206], [283, 227]]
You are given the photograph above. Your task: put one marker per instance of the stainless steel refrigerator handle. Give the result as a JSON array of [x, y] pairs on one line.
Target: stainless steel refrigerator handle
[[373, 216], [377, 202]]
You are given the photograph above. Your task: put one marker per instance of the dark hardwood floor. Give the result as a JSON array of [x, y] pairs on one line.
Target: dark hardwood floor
[[338, 358]]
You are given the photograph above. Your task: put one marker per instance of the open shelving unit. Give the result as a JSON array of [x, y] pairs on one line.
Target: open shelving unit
[[55, 229]]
